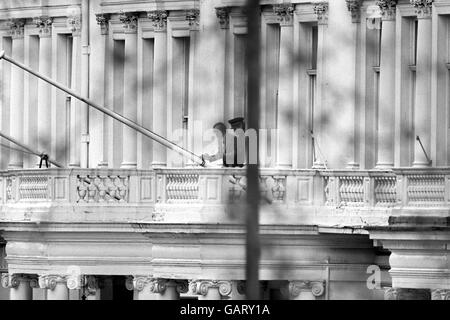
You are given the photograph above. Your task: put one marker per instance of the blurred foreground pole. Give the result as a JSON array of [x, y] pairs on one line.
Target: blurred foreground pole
[[253, 194]]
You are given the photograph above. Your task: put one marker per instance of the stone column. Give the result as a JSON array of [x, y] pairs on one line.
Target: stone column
[[19, 285], [17, 92], [211, 289], [285, 109], [168, 289], [44, 90], [159, 19], [321, 11], [140, 285], [75, 104], [422, 111], [56, 287], [304, 290], [354, 7], [98, 91], [406, 294], [386, 112], [440, 294], [129, 159]]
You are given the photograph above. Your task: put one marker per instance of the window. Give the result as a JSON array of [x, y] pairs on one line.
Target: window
[[312, 89], [412, 69]]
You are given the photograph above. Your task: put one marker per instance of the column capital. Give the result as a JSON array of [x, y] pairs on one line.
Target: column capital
[[406, 294], [50, 281], [440, 294], [137, 283], [129, 21], [423, 8], [14, 280], [388, 9], [284, 13], [44, 23], [74, 24], [161, 285], [103, 22], [193, 18], [10, 281], [321, 10], [354, 6], [294, 288], [93, 283], [159, 19], [16, 28], [223, 14], [201, 287]]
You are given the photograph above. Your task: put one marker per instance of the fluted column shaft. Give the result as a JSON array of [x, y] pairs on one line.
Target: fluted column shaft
[[285, 96], [160, 86], [44, 90], [75, 110], [386, 113], [422, 111], [17, 93], [129, 156]]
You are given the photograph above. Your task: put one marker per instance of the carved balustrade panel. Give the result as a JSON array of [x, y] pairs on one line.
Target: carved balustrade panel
[[182, 188], [102, 188], [426, 190], [272, 188]]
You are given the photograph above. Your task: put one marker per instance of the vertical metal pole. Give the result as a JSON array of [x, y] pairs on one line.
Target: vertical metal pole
[[253, 194]]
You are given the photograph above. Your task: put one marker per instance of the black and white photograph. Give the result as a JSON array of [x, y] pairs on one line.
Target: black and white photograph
[[240, 151]]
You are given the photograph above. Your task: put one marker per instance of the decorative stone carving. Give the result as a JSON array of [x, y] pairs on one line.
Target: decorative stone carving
[[100, 189], [385, 191], [161, 285], [351, 191], [273, 188], [129, 21], [294, 288], [182, 187], [201, 287], [284, 13], [321, 10], [159, 19], [440, 294], [426, 190], [423, 8], [44, 24], [93, 283], [354, 6], [241, 287], [406, 294], [388, 9], [103, 22], [10, 280], [193, 16], [223, 14], [33, 188], [17, 27], [74, 24], [50, 281]]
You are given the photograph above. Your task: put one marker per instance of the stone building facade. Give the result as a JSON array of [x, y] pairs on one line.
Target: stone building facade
[[355, 150]]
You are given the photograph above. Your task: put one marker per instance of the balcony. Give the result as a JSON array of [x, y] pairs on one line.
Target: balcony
[[198, 196]]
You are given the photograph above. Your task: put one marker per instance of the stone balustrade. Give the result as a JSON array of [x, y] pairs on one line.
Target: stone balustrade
[[162, 190]]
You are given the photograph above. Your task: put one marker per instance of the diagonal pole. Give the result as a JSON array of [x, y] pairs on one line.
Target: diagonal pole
[[197, 159]]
